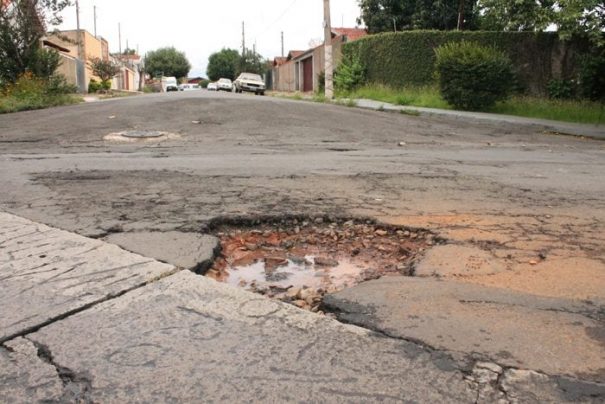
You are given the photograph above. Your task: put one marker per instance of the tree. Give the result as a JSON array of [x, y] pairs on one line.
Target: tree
[[401, 15], [104, 69], [516, 15], [581, 17], [167, 62], [22, 27], [252, 62], [570, 17], [223, 64]]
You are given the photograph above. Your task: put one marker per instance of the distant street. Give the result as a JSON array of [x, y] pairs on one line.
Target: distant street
[[509, 307]]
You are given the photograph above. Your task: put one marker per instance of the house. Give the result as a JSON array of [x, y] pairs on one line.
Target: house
[[78, 48], [82, 46], [195, 80], [131, 78], [302, 70]]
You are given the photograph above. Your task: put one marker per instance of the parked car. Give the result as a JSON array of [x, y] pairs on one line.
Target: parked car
[[225, 85], [250, 82], [188, 87], [169, 84], [212, 87]]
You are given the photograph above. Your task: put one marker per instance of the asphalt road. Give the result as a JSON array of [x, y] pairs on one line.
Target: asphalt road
[[529, 205]]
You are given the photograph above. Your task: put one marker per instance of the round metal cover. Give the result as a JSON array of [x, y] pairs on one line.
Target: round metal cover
[[138, 134]]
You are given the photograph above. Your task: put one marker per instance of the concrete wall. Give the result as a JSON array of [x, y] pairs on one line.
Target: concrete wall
[[69, 69], [91, 48]]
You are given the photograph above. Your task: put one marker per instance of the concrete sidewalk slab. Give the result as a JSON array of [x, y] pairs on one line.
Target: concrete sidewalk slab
[[46, 273], [187, 338], [192, 251], [25, 377], [568, 128], [554, 336]]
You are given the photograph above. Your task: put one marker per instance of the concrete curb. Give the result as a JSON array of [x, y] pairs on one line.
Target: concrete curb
[[564, 128]]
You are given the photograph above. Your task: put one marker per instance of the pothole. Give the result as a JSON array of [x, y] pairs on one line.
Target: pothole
[[140, 135], [300, 260]]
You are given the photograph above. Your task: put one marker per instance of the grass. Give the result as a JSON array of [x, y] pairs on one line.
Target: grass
[[418, 96], [557, 110], [531, 107], [15, 104]]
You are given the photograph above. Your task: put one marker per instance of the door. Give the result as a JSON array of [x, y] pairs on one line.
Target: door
[[308, 74]]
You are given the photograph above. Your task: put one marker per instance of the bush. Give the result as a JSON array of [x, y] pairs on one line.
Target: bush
[[31, 92], [106, 85], [44, 63], [592, 79], [560, 89], [472, 76], [407, 59], [27, 89], [93, 86], [321, 83], [349, 75]]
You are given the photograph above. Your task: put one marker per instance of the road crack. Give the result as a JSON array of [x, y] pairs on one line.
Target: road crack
[[77, 386]]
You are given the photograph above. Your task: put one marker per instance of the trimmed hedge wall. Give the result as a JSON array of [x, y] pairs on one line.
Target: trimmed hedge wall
[[408, 58]]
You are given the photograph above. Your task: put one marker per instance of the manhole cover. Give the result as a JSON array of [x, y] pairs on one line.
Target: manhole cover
[[138, 134], [298, 261]]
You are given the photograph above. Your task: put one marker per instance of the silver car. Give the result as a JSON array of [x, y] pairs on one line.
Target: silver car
[[250, 82]]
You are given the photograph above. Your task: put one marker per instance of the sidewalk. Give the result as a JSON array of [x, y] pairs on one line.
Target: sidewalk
[[576, 129]]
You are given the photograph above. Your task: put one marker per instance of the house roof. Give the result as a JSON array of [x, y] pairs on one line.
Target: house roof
[[294, 54], [55, 45], [352, 34], [279, 60], [130, 57]]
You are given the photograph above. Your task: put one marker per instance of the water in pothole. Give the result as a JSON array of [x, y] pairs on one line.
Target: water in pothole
[[301, 272], [299, 261]]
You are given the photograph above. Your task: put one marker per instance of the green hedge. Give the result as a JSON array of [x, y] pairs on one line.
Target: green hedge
[[408, 58]]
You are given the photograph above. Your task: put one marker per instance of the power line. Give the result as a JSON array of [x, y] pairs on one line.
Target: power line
[[278, 19]]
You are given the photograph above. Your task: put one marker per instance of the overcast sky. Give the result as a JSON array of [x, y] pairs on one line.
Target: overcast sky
[[201, 27]]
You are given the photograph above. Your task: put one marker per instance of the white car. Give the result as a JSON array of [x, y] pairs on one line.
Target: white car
[[225, 85], [188, 87], [212, 87], [169, 84], [250, 82]]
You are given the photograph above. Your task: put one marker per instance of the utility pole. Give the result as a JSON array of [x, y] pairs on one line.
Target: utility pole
[[120, 37], [329, 67], [78, 29], [282, 44], [254, 49], [394, 24], [95, 11], [243, 38]]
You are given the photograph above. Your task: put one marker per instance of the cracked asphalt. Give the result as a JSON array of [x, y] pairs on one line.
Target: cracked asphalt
[[511, 309]]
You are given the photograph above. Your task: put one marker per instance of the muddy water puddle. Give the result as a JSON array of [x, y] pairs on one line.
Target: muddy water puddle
[[299, 261]]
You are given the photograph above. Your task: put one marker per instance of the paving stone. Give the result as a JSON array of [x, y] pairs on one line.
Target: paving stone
[[26, 378], [46, 273], [186, 250], [187, 338]]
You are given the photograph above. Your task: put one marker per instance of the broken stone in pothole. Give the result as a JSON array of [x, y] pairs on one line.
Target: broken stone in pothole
[[301, 260]]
